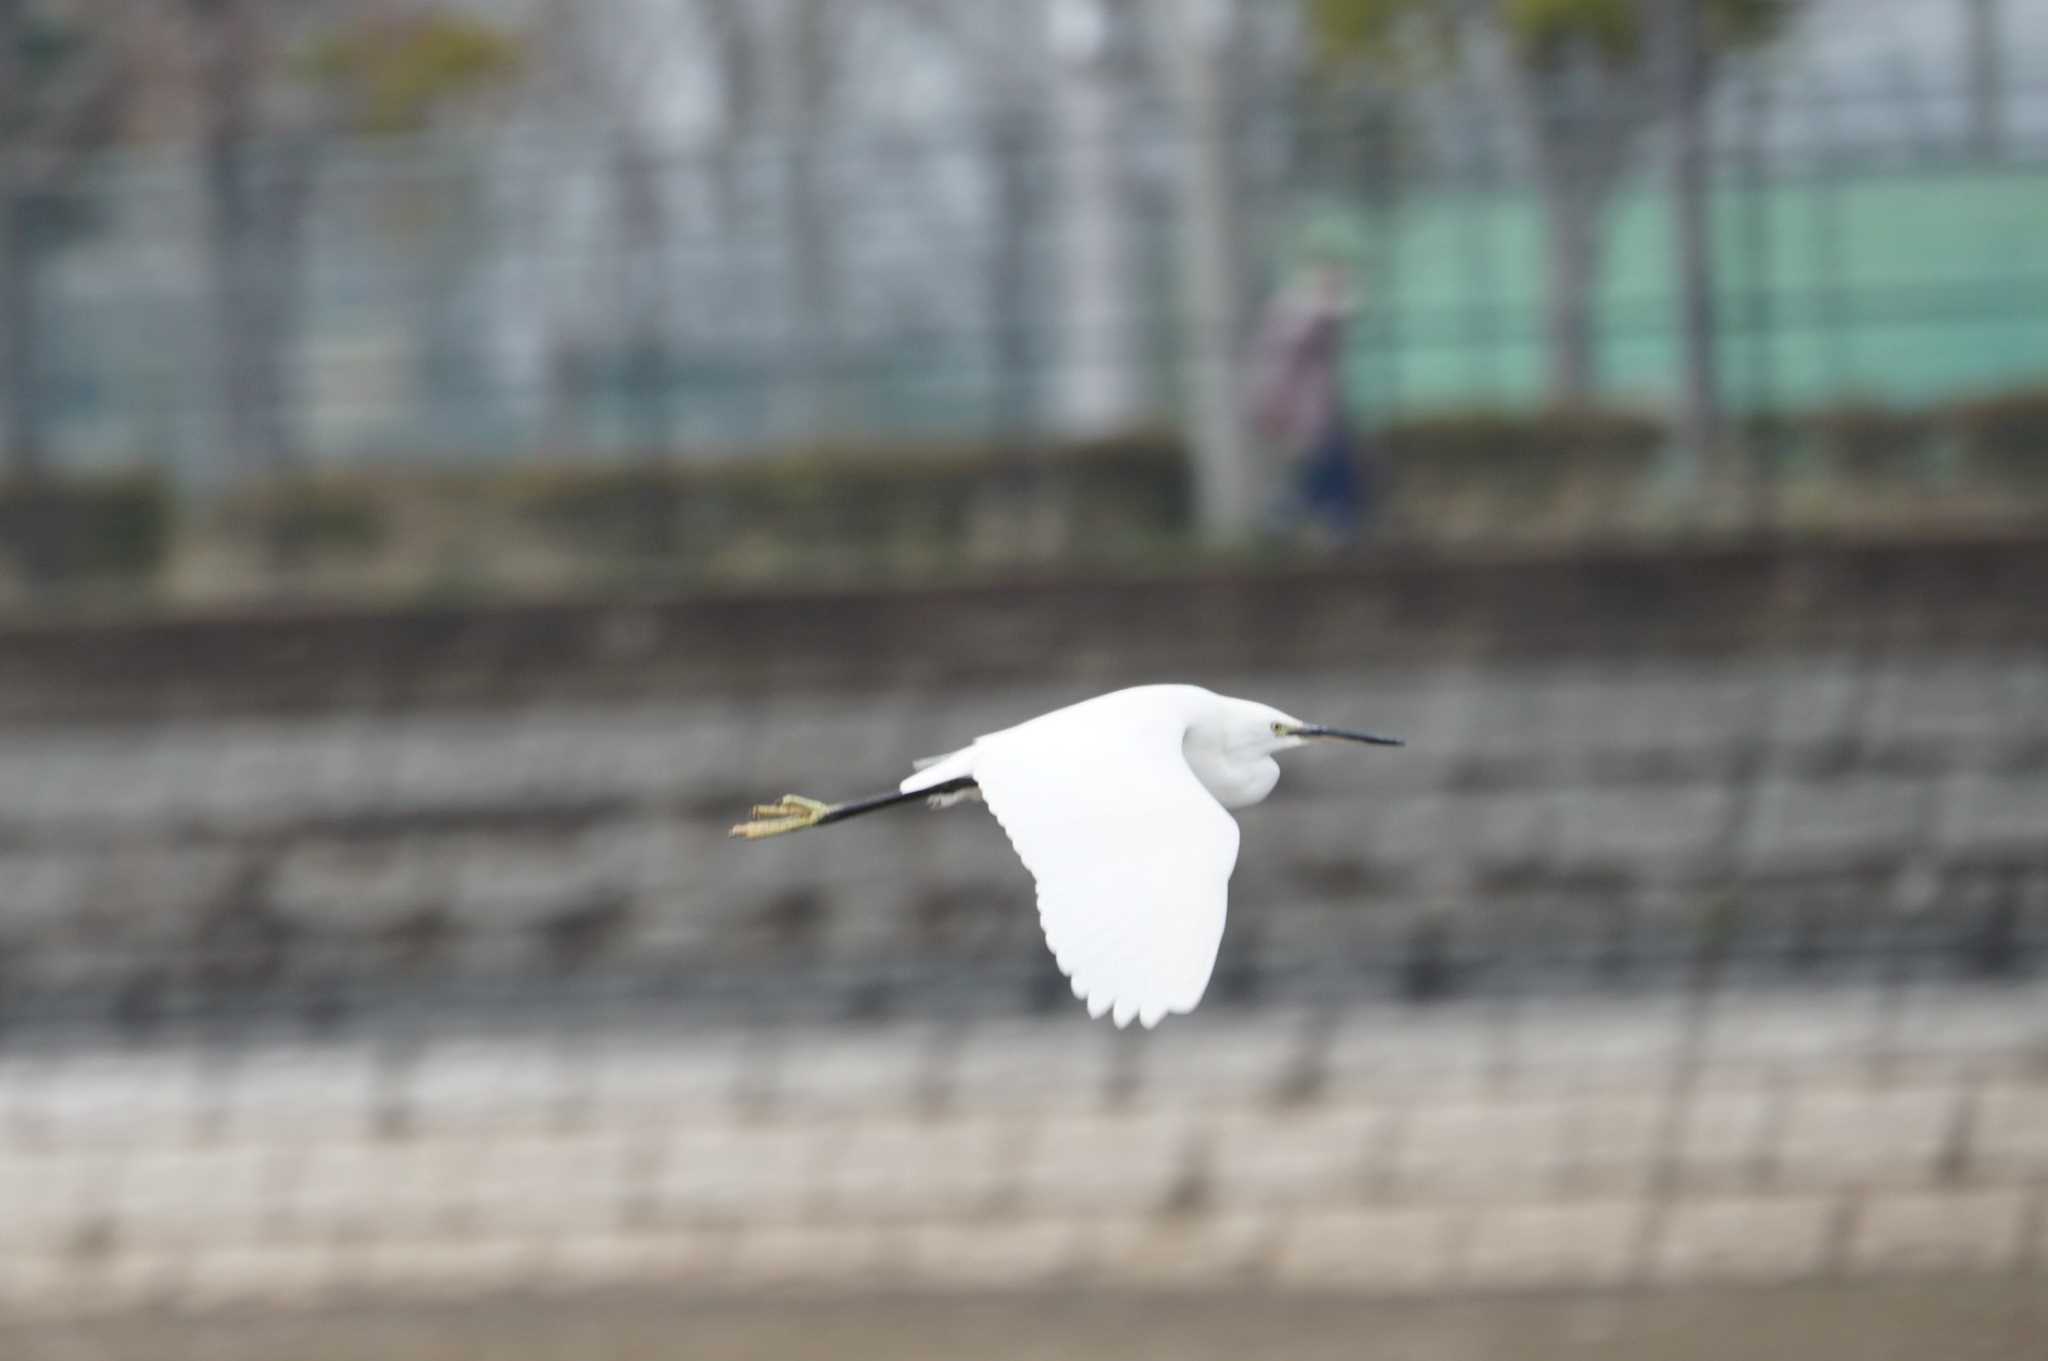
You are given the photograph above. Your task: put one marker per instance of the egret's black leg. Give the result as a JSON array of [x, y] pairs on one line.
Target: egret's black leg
[[795, 812]]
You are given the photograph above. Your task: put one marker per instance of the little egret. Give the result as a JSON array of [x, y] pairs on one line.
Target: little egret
[[1116, 807]]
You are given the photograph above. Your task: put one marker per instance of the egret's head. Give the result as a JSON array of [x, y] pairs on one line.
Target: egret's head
[[1267, 729]]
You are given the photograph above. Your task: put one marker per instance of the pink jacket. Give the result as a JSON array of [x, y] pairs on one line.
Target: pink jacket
[[1297, 390]]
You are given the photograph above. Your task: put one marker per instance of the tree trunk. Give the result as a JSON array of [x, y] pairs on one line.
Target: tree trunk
[[1582, 114], [19, 359], [1096, 369], [229, 245], [20, 435], [1212, 292], [251, 252], [1699, 410], [1987, 78], [284, 195], [1013, 408], [740, 80], [812, 333], [1573, 227], [33, 539], [643, 285], [225, 41]]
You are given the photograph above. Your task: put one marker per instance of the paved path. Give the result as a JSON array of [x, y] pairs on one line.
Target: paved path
[[1954, 1320]]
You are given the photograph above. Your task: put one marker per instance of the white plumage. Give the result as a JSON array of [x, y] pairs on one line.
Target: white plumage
[[1118, 808], [1131, 852]]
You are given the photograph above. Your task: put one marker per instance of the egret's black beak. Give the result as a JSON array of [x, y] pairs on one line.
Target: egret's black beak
[[1370, 739]]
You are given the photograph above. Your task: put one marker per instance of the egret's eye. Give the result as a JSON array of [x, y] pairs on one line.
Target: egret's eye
[[1279, 729]]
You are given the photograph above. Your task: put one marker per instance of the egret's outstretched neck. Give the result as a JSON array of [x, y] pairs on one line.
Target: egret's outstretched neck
[[1236, 774]]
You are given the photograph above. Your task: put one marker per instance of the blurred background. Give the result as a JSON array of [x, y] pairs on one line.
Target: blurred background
[[455, 457]]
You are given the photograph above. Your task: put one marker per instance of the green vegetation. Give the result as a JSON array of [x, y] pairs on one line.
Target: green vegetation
[[1859, 440], [2003, 438], [391, 78], [300, 520], [1482, 476], [1528, 451], [104, 529]]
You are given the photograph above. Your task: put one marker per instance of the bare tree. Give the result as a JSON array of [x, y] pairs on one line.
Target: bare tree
[[787, 82], [1699, 409], [610, 68], [1582, 108], [997, 45], [277, 82], [1051, 78], [258, 178], [805, 70], [1095, 62], [1986, 56], [61, 91], [1583, 82], [736, 48], [18, 335]]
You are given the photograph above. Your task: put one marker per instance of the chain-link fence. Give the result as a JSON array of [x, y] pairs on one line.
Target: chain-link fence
[[992, 261]]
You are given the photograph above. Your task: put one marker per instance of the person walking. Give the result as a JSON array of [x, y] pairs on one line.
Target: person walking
[[1299, 409]]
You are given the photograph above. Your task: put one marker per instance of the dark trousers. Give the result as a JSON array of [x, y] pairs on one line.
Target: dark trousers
[[1331, 487]]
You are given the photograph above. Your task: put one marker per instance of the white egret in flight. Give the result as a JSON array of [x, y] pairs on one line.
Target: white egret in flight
[[1117, 807]]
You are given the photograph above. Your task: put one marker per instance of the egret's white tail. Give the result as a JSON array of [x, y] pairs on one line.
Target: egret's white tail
[[938, 770]]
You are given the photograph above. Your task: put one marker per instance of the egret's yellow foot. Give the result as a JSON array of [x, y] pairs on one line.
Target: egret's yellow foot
[[792, 814]]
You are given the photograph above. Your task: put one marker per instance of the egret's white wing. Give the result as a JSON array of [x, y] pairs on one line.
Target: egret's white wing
[[1131, 854]]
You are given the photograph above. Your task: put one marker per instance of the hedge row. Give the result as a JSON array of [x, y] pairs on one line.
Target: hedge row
[[1998, 440], [853, 505], [855, 500], [92, 528]]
